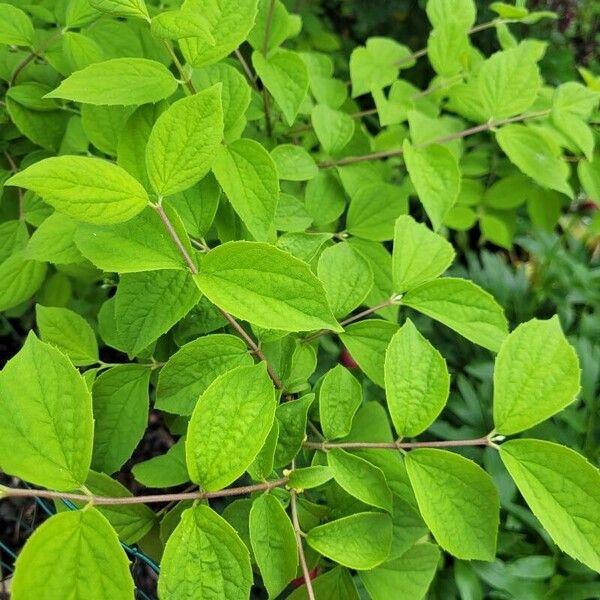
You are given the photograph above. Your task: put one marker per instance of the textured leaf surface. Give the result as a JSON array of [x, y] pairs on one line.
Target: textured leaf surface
[[229, 426], [563, 491], [435, 174], [410, 575], [16, 27], [69, 332], [367, 342], [284, 74], [53, 241], [75, 550], [464, 307], [535, 155], [183, 142], [120, 397], [20, 278], [265, 286], [508, 83], [360, 541], [230, 22], [274, 543], [148, 304], [140, 244], [458, 501], [46, 423], [419, 255], [346, 276], [204, 558], [122, 8], [248, 176], [87, 189], [536, 375], [165, 470], [194, 367], [360, 478], [340, 395], [334, 128], [417, 382], [119, 81]]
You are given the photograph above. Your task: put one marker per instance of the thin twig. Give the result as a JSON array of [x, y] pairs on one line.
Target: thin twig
[[246, 68], [186, 80], [6, 492], [365, 313], [482, 441], [423, 51], [230, 319], [265, 49], [298, 533], [37, 53], [348, 160]]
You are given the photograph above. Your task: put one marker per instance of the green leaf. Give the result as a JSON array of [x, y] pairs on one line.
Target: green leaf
[[334, 128], [87, 189], [340, 395], [458, 501], [293, 163], [197, 206], [280, 23], [262, 465], [376, 65], [122, 8], [69, 332], [381, 264], [291, 214], [536, 375], [448, 49], [292, 417], [360, 478], [46, 423], [148, 304], [417, 382], [462, 12], [367, 342], [507, 83], [119, 81], [230, 22], [20, 278], [75, 550], [373, 210], [309, 477], [235, 94], [589, 176], [183, 142], [140, 244], [285, 76], [419, 255], [274, 543], [462, 306], [133, 138], [16, 28], [121, 404], [536, 155], [265, 286], [360, 541], [408, 525], [188, 373], [412, 573], [204, 555], [53, 241], [180, 24], [229, 426], [248, 176], [563, 491], [103, 125], [324, 197], [435, 174], [131, 521], [165, 470], [346, 276], [336, 584]]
